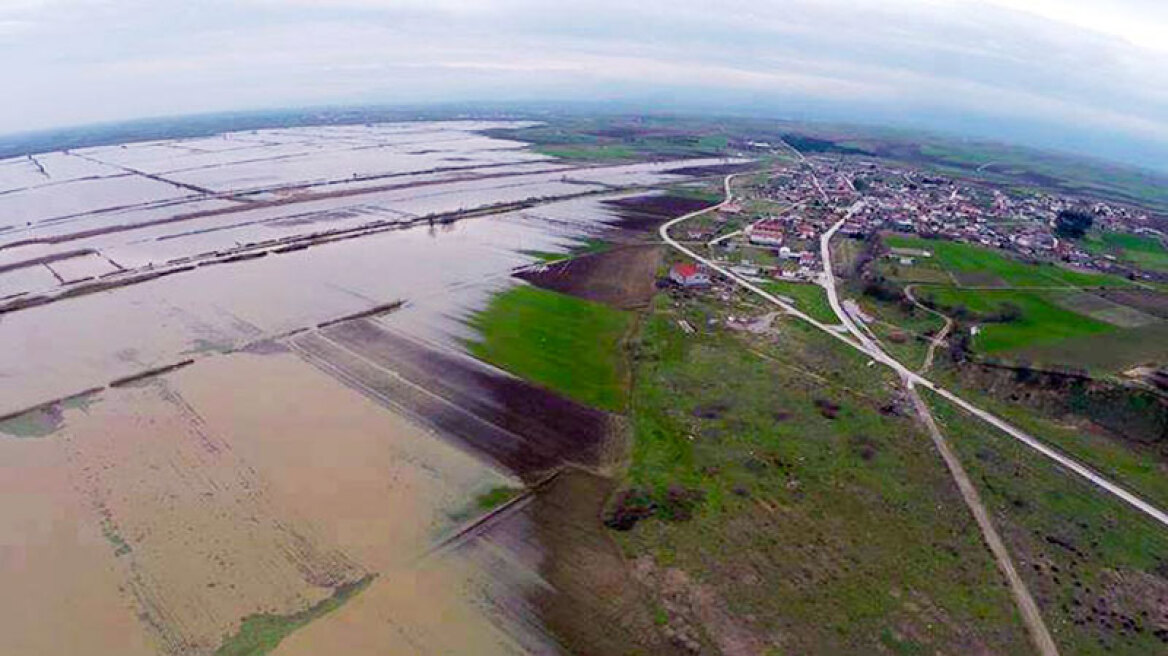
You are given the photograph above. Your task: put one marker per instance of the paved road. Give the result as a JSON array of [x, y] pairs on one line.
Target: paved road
[[864, 345]]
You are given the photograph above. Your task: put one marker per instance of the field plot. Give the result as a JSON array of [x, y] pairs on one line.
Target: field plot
[[83, 197], [808, 297], [1041, 320], [204, 506], [975, 266], [26, 279], [1144, 252], [81, 267], [523, 428], [622, 277], [1099, 307]]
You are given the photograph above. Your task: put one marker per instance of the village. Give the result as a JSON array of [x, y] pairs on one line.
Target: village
[[774, 226]]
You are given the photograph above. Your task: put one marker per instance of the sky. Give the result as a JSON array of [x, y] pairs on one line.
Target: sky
[[1083, 75]]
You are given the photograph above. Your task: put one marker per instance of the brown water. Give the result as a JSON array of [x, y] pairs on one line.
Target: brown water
[[284, 460]]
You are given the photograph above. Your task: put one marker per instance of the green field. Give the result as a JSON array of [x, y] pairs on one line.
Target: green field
[[975, 266], [1042, 321], [561, 342], [1093, 563], [1144, 252], [797, 502], [808, 297], [588, 152]]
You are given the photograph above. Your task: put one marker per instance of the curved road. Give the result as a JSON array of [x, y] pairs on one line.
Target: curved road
[[866, 346]]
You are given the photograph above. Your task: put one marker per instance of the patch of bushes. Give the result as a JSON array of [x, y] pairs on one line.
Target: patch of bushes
[[676, 504]]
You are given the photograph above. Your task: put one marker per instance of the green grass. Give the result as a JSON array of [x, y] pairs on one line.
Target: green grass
[[590, 245], [262, 633], [975, 266], [589, 153], [1043, 322], [1111, 352], [825, 531], [496, 497], [1083, 554], [561, 342], [810, 298], [1144, 252]]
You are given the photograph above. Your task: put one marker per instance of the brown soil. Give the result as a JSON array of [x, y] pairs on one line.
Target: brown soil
[[589, 601], [1154, 303], [714, 169], [646, 213], [622, 277], [525, 429]]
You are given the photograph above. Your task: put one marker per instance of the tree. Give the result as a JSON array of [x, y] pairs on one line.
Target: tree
[[1073, 224]]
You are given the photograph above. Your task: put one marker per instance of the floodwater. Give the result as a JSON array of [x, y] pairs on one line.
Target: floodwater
[[233, 383]]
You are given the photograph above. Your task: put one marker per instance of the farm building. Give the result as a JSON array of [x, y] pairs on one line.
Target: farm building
[[689, 275]]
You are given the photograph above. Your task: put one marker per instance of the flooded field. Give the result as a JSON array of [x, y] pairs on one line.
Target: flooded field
[[235, 400]]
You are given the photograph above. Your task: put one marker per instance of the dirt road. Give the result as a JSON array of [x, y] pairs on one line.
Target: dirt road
[[938, 338]]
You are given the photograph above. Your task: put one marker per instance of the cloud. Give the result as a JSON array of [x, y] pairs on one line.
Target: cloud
[[1081, 65]]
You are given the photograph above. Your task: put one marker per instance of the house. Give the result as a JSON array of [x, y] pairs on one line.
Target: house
[[766, 233], [688, 274]]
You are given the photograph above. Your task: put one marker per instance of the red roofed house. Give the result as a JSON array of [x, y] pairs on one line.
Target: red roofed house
[[688, 274], [768, 233]]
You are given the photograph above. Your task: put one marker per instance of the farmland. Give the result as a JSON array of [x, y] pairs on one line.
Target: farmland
[[1147, 252], [566, 344], [976, 266], [1041, 322]]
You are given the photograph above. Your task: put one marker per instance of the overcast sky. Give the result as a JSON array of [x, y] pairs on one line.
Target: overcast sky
[[1084, 74]]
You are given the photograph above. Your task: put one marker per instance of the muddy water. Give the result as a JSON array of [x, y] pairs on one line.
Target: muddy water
[[65, 347], [186, 503], [248, 483]]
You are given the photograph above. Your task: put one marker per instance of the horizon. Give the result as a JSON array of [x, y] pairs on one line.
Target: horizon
[[1079, 77]]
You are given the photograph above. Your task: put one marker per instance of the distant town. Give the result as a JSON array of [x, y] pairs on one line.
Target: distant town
[[787, 214]]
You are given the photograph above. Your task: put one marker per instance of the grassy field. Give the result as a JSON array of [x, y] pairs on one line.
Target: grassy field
[[808, 297], [823, 523], [1144, 252], [561, 342], [1042, 321], [1110, 352], [1094, 565], [975, 266], [589, 152]]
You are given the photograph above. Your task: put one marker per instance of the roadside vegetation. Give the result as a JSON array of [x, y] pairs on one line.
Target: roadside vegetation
[[1094, 565], [566, 344]]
